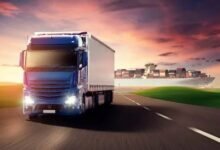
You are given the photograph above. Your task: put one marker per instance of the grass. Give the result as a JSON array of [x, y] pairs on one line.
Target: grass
[[214, 90], [10, 95], [205, 97]]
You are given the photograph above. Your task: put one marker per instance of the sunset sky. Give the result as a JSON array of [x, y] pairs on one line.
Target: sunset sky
[[170, 33]]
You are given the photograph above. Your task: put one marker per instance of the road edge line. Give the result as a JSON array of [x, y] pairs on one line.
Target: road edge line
[[208, 135]]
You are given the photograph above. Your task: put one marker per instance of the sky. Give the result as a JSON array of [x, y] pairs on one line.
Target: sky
[[170, 33]]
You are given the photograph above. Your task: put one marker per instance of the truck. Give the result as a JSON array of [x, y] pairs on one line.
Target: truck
[[66, 73]]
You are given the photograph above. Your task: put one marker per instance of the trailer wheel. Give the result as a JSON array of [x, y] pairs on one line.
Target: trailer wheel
[[108, 97]]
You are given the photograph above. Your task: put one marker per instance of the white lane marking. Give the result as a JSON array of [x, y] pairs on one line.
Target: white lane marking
[[215, 138], [138, 103], [146, 108], [132, 101], [129, 99], [163, 116]]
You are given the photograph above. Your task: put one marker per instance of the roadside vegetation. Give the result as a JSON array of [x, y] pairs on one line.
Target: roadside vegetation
[[10, 95], [203, 97]]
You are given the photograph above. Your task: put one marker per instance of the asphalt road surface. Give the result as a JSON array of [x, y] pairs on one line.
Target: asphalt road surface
[[130, 123]]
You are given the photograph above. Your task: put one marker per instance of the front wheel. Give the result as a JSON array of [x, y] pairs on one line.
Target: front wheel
[[83, 106], [30, 117]]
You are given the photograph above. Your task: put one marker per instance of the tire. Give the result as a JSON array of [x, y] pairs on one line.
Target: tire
[[31, 117], [95, 100], [83, 107], [111, 97], [108, 97]]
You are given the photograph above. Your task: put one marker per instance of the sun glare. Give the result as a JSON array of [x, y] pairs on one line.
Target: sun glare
[[11, 74]]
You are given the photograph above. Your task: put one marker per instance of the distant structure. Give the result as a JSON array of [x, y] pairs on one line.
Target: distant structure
[[161, 77], [149, 68]]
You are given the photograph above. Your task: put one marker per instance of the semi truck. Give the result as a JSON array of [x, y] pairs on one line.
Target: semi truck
[[66, 73]]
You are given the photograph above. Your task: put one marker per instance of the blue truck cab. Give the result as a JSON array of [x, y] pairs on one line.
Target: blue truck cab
[[60, 70]]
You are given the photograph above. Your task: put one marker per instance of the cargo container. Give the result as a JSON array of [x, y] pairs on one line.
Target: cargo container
[[180, 72], [118, 73], [163, 73], [156, 73], [172, 73], [139, 73], [196, 74], [131, 73]]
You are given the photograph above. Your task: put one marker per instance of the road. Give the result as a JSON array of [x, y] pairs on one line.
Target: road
[[130, 123]]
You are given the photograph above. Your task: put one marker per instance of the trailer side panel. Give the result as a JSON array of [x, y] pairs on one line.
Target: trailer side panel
[[100, 66]]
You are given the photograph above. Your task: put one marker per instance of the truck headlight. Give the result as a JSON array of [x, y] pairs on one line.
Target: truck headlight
[[28, 100], [71, 100]]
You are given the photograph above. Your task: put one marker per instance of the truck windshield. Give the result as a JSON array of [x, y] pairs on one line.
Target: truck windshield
[[51, 59]]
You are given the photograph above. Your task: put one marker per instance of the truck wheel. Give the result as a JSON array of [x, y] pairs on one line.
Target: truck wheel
[[83, 106], [95, 100], [111, 97], [30, 117], [108, 97]]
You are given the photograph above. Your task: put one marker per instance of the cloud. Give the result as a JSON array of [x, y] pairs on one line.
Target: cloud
[[167, 54], [9, 65], [207, 43], [185, 28], [207, 61], [218, 60], [8, 9], [177, 46], [167, 63], [197, 58], [213, 32], [163, 40], [120, 5]]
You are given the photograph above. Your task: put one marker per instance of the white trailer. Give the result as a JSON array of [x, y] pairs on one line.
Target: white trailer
[[100, 65]]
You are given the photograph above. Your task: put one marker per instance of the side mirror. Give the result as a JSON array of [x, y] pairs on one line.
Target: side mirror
[[83, 60], [21, 61]]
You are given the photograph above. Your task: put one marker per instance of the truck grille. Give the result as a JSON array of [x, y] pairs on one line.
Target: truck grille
[[50, 89], [51, 106]]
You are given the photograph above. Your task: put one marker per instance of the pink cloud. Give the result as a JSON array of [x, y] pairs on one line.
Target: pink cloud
[[124, 37], [130, 41], [8, 9]]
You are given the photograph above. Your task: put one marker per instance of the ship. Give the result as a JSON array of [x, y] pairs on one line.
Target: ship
[[150, 76]]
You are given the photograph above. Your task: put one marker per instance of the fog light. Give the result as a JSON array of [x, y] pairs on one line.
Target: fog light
[[71, 100], [28, 100]]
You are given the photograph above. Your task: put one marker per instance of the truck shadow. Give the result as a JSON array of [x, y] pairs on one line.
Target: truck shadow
[[117, 118]]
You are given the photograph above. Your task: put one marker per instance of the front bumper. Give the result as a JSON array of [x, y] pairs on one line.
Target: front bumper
[[55, 108]]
